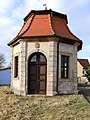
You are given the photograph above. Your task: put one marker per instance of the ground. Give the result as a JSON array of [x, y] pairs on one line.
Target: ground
[[65, 107]]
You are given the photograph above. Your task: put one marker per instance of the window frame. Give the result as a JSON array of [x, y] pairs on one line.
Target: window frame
[[64, 66], [84, 71], [16, 61]]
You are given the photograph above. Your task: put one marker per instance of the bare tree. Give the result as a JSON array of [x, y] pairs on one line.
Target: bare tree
[[2, 60]]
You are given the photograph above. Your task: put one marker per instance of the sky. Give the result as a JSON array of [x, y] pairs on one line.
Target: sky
[[12, 13]]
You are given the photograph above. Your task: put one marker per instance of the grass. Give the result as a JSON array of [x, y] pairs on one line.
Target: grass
[[65, 107]]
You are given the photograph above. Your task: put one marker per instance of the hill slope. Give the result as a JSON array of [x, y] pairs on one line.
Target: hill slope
[[67, 107]]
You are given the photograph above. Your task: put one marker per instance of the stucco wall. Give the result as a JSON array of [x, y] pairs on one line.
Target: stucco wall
[[15, 82], [49, 49], [67, 86], [23, 51], [79, 69], [80, 74]]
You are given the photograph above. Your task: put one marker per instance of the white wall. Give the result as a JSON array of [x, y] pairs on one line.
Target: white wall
[[79, 69]]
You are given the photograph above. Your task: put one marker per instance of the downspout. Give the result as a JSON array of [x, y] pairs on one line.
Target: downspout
[[58, 64]]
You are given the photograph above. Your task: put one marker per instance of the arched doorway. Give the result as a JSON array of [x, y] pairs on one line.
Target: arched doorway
[[37, 70]]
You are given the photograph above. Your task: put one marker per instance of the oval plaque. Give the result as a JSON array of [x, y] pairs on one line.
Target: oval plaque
[[37, 45]]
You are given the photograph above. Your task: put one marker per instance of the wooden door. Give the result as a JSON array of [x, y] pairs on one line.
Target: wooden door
[[37, 74]]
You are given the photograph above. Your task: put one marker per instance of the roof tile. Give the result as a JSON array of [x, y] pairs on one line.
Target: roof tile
[[45, 23]]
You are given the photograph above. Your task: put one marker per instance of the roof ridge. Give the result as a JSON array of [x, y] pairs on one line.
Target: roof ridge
[[50, 24], [20, 30], [28, 25]]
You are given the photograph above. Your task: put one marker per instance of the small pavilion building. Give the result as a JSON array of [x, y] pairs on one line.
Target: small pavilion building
[[44, 55]]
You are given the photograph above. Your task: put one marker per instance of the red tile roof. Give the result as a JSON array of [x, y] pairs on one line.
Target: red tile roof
[[45, 23], [84, 63], [61, 29], [39, 25]]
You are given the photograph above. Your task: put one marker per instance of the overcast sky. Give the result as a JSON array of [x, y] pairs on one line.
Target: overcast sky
[[12, 13]]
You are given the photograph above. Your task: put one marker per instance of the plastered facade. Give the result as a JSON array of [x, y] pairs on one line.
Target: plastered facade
[[80, 69], [80, 74], [68, 86], [49, 48]]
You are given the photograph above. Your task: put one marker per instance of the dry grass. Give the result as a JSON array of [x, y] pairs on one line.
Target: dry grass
[[67, 107]]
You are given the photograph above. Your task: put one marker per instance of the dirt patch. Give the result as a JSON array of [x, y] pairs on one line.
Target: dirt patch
[[67, 107]]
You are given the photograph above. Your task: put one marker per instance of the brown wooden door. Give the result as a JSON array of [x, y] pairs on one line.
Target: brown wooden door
[[37, 74]]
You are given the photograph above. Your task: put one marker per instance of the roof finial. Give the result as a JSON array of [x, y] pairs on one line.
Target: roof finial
[[45, 6]]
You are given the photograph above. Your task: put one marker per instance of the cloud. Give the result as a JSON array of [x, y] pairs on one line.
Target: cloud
[[5, 5], [8, 28], [12, 13], [5, 21]]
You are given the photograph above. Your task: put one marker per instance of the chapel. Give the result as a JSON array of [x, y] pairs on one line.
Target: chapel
[[44, 55]]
